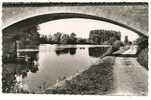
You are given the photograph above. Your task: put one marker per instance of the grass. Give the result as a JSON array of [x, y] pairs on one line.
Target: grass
[[98, 79]]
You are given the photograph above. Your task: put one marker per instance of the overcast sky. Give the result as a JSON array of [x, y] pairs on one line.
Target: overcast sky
[[82, 27]]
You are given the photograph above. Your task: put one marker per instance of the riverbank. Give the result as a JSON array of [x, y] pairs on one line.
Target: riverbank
[[143, 58], [109, 76], [98, 79]]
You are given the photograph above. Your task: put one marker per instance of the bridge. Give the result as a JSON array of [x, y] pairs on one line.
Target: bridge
[[17, 17], [130, 78], [129, 15]]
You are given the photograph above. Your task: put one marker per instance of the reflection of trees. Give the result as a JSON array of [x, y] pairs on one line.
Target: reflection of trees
[[18, 69], [8, 81], [32, 63], [71, 51], [62, 51], [97, 51], [33, 67]]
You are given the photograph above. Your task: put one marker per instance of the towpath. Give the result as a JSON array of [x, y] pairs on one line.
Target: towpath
[[130, 78]]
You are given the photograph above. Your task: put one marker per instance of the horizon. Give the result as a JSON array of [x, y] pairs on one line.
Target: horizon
[[82, 27]]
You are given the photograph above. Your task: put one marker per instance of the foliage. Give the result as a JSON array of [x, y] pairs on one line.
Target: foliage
[[59, 38], [143, 58], [95, 37], [142, 43], [104, 36], [142, 52], [72, 39], [29, 38], [32, 34]]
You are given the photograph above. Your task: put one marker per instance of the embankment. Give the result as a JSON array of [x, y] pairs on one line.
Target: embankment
[[98, 79], [143, 58]]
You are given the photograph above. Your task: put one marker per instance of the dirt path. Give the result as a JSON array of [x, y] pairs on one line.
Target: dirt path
[[130, 78], [110, 76]]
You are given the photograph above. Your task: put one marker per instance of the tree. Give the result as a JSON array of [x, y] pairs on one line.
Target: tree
[[32, 34], [64, 38], [103, 36], [49, 38], [43, 39], [142, 43], [57, 37], [72, 39]]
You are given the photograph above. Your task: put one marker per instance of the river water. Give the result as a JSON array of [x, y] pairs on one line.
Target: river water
[[51, 63]]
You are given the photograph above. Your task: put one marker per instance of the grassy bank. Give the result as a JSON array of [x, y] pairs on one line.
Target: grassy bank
[[143, 58], [142, 52], [98, 79]]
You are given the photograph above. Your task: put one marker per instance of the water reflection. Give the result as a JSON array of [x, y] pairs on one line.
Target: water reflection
[[93, 51], [32, 69], [30, 61], [97, 51], [14, 73], [61, 51]]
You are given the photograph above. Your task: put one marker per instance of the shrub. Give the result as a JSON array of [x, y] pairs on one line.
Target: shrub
[[143, 58], [142, 43]]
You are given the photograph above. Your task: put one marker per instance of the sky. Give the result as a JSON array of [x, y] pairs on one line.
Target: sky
[[82, 27]]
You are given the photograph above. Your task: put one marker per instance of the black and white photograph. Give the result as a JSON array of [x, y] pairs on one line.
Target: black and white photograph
[[81, 48]]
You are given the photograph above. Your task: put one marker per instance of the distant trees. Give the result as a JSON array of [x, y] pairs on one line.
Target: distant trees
[[72, 39], [50, 38], [43, 39], [65, 38], [59, 38], [95, 37], [82, 41], [103, 36]]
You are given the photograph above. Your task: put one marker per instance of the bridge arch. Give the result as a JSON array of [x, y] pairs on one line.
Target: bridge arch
[[35, 20]]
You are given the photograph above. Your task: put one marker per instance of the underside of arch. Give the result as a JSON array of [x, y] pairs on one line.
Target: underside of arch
[[56, 16]]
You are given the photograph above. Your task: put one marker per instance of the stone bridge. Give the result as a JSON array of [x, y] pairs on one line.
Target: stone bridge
[[133, 16], [17, 17]]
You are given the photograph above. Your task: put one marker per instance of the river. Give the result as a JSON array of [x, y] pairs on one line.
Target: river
[[51, 63]]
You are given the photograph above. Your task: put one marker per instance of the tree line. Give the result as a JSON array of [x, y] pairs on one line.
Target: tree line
[[98, 37], [62, 38], [95, 37]]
